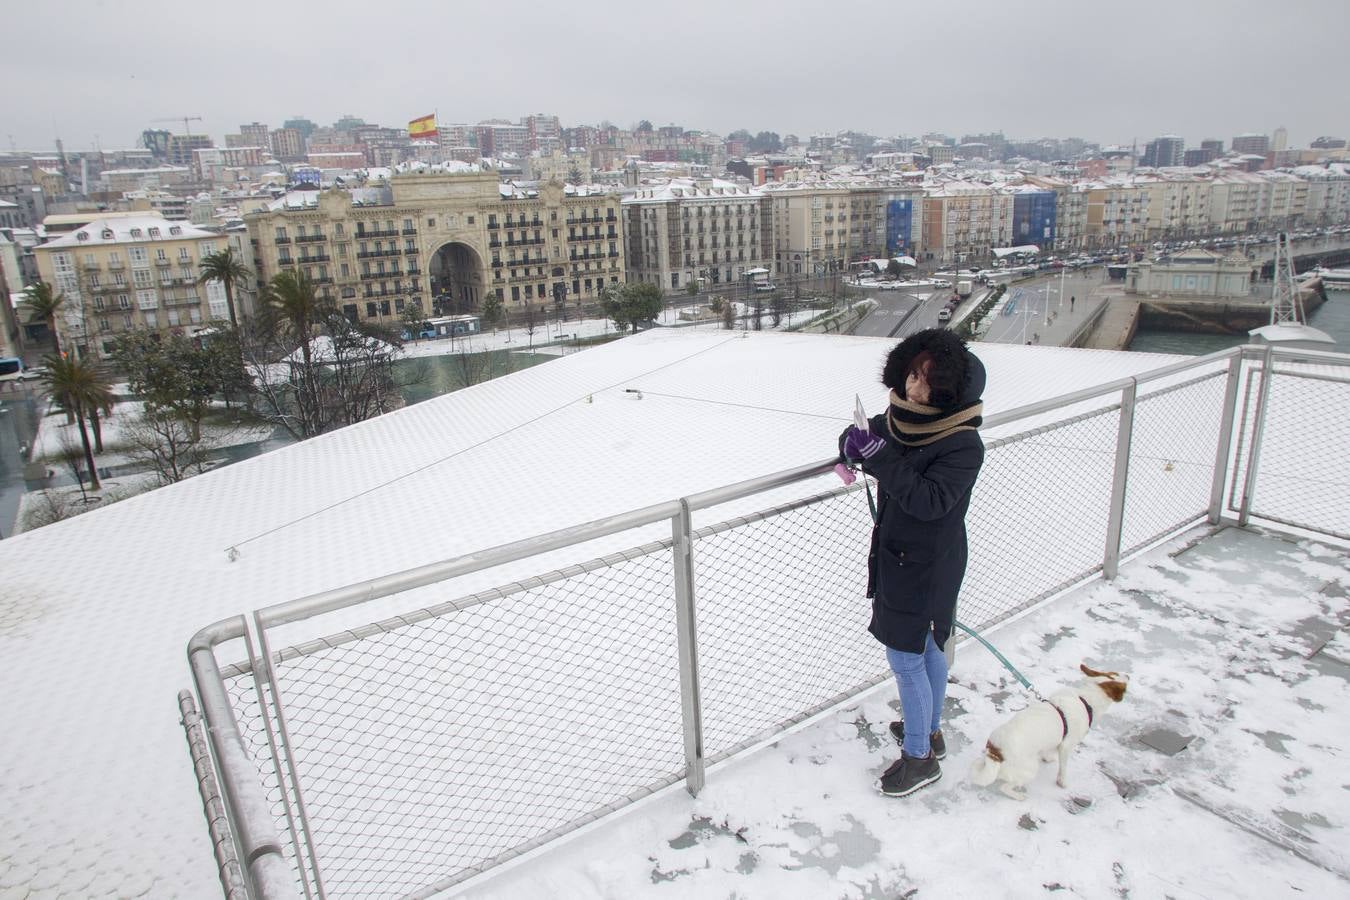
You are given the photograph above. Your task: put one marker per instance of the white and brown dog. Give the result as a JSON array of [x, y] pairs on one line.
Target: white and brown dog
[[1016, 749]]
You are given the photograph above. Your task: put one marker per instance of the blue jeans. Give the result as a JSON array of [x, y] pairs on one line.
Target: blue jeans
[[922, 679]]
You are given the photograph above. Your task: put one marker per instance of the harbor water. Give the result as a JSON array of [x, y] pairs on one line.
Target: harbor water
[[1333, 317]]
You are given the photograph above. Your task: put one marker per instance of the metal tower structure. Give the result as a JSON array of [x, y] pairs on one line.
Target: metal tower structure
[[1285, 306]]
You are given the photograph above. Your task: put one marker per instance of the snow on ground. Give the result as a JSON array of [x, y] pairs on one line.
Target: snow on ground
[[54, 433], [1221, 640], [95, 612]]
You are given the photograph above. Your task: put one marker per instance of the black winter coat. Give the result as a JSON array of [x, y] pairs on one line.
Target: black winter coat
[[918, 555]]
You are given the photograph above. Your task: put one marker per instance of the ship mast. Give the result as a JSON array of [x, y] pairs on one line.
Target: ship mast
[[1285, 306]]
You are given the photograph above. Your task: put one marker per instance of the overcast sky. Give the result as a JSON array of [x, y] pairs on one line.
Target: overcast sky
[[1113, 72]]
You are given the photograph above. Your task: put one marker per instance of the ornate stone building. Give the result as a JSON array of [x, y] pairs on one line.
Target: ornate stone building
[[445, 241]]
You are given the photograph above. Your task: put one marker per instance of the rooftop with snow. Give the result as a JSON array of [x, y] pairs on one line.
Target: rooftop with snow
[[1234, 638]]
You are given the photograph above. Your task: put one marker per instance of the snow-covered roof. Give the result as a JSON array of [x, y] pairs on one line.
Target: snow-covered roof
[[1023, 250], [128, 230], [99, 789]]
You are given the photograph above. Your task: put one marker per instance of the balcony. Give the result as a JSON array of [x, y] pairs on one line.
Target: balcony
[[392, 232], [310, 238], [493, 226], [116, 265], [282, 240], [406, 231], [90, 266], [414, 272], [163, 263], [320, 258]]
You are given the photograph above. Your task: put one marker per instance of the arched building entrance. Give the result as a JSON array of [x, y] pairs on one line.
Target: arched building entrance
[[456, 274]]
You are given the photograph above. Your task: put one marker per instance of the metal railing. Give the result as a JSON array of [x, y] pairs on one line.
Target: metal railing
[[403, 756]]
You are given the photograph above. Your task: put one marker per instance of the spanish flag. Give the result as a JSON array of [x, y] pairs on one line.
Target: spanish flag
[[423, 129]]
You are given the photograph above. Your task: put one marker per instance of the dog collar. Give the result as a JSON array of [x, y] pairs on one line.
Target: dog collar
[[1087, 706]]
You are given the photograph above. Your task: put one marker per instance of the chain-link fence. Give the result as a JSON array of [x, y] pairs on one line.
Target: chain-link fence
[[400, 758], [1303, 447]]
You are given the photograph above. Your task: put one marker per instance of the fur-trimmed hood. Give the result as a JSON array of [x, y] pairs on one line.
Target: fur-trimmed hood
[[956, 377]]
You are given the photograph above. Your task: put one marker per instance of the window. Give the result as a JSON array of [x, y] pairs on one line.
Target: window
[[151, 319], [174, 318], [281, 233], [160, 254], [154, 232], [183, 253], [98, 303], [146, 300], [384, 307], [407, 224], [123, 301], [103, 324], [346, 270], [338, 229], [515, 294], [674, 280], [137, 255], [431, 223], [135, 232], [126, 320], [142, 278], [470, 220], [371, 308]]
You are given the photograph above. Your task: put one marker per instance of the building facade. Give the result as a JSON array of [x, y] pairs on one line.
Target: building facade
[[445, 242], [823, 226], [1168, 150], [130, 272], [963, 222], [692, 231]]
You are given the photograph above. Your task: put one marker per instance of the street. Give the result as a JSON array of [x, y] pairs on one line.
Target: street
[[900, 313], [1040, 311]]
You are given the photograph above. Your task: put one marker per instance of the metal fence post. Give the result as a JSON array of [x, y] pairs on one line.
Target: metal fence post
[[686, 629], [1124, 434], [1258, 429], [1225, 444]]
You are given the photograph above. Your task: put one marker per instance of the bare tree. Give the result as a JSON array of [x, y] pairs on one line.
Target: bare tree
[[168, 445]]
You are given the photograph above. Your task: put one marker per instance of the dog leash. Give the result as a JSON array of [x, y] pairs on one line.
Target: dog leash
[[1025, 682]]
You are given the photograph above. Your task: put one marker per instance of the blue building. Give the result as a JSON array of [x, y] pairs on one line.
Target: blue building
[[899, 227], [1034, 218]]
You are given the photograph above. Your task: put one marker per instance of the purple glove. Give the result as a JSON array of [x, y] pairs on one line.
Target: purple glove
[[861, 444]]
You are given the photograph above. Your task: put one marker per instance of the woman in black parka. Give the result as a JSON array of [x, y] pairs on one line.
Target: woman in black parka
[[925, 454]]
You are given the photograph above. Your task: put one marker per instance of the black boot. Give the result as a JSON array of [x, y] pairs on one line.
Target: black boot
[[909, 773], [935, 740]]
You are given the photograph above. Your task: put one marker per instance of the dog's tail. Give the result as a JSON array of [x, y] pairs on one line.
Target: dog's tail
[[985, 769]]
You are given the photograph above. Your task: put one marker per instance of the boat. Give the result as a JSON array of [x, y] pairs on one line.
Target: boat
[[1334, 279]]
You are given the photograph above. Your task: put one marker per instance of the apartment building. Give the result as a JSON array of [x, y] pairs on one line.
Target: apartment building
[[824, 225], [288, 144], [444, 241], [1328, 198], [1177, 206], [962, 221], [125, 272], [1115, 213], [690, 230]]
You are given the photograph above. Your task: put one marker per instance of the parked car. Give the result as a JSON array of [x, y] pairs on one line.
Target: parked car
[[33, 374]]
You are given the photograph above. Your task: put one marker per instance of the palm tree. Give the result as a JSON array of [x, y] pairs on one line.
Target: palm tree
[[293, 305], [229, 270], [43, 303], [77, 387], [294, 309]]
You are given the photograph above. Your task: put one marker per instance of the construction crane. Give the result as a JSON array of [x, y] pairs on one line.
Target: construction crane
[[183, 119]]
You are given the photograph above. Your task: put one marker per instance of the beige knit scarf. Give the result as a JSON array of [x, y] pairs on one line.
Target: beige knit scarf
[[916, 425]]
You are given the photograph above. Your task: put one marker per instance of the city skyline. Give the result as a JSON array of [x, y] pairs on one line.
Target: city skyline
[[967, 68]]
